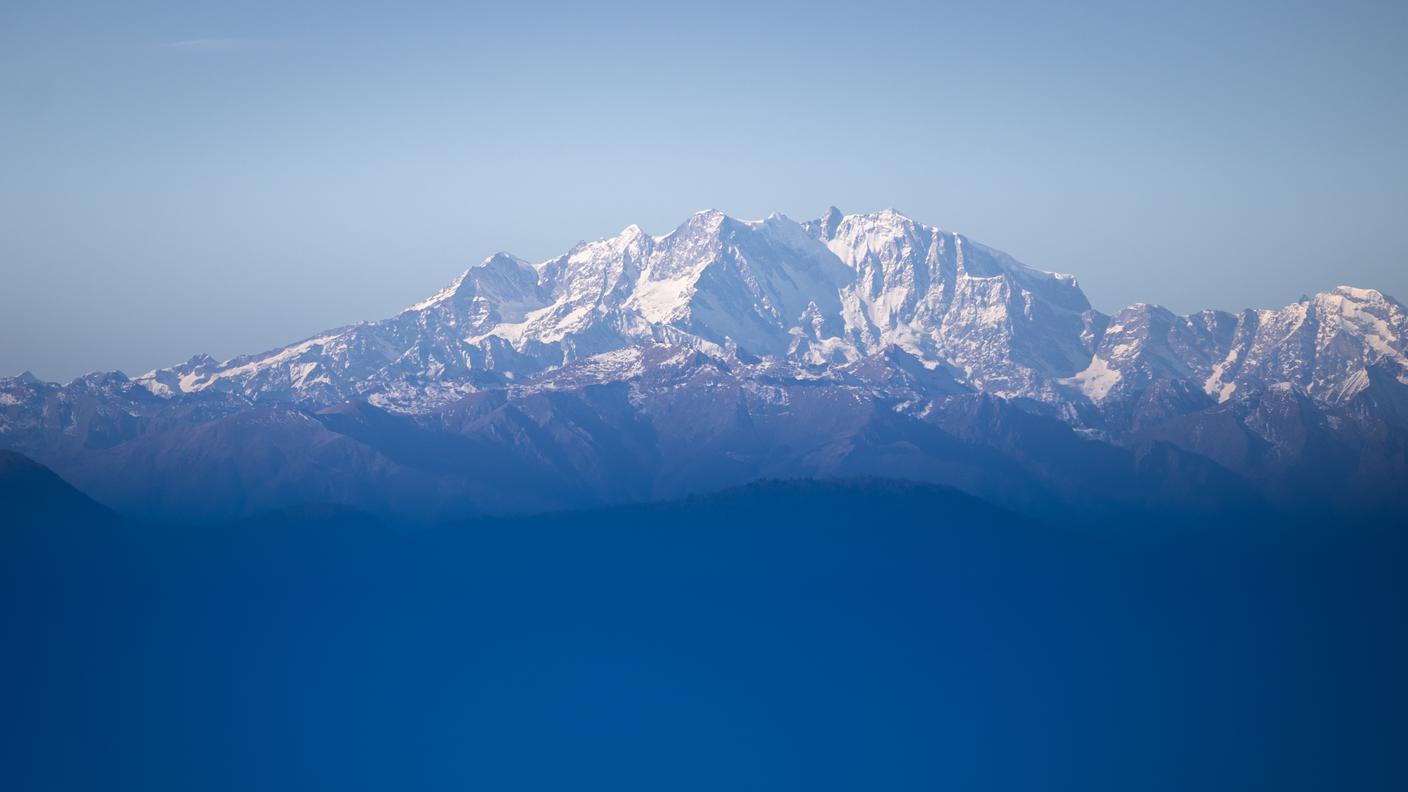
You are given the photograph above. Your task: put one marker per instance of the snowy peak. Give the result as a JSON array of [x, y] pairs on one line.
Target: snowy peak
[[501, 276], [829, 222], [1323, 346], [1146, 343], [1366, 314]]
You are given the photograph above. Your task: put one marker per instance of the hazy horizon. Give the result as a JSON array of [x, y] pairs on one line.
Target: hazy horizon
[[185, 179]]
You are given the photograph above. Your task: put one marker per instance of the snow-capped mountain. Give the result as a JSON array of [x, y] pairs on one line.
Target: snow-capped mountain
[[762, 330], [825, 292], [1324, 344]]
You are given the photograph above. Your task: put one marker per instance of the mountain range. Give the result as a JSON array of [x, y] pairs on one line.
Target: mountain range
[[643, 367]]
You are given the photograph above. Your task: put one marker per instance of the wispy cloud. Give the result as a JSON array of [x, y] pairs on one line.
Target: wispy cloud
[[213, 44]]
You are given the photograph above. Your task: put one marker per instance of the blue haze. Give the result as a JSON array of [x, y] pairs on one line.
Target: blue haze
[[224, 178]]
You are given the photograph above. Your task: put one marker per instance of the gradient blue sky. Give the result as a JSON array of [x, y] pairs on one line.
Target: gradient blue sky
[[227, 177]]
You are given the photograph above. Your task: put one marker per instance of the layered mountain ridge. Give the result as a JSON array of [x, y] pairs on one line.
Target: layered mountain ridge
[[841, 324]]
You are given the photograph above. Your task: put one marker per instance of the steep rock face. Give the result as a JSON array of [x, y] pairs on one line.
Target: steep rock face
[[1010, 329], [1338, 348], [1143, 344], [1324, 344]]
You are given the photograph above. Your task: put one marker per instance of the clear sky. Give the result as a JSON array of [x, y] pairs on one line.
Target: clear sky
[[228, 177]]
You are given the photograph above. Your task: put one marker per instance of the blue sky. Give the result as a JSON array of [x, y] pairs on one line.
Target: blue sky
[[223, 178]]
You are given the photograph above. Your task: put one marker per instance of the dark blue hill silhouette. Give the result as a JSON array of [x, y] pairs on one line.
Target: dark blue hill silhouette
[[808, 635], [30, 492]]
